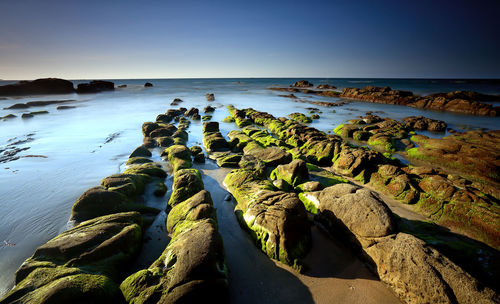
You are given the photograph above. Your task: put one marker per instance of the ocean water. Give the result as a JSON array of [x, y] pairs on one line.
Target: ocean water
[[72, 150]]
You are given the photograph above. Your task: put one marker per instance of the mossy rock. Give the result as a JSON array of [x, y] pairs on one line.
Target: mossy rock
[[310, 201], [197, 207], [300, 118], [160, 189], [187, 182], [141, 151], [199, 158], [229, 161], [384, 143], [195, 150], [294, 173], [228, 119], [191, 269], [127, 184], [179, 157], [151, 169], [206, 117], [137, 160], [165, 141], [98, 201], [309, 186]]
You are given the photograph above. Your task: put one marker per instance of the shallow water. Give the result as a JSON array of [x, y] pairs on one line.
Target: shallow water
[[81, 146]]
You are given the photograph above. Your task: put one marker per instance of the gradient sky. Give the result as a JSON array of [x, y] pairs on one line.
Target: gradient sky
[[176, 39]]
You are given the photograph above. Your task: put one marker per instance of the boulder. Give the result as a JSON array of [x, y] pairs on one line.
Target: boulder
[[38, 86], [179, 157], [294, 173], [271, 156], [141, 151], [209, 109], [187, 182], [191, 269], [95, 86], [417, 273], [197, 207], [302, 84], [82, 264], [210, 96], [99, 201], [148, 85]]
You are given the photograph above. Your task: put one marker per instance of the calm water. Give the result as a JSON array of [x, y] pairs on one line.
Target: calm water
[[82, 145]]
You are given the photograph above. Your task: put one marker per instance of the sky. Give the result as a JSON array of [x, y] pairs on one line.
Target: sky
[[207, 39]]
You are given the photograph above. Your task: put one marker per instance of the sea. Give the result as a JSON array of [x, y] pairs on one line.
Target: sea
[[65, 152]]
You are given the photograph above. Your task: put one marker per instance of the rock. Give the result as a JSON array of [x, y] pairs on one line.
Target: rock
[[148, 85], [95, 86], [278, 219], [326, 86], [149, 127], [151, 169], [27, 115], [163, 130], [212, 138], [229, 161], [197, 207], [164, 118], [310, 186], [209, 109], [187, 182], [271, 156], [199, 158], [210, 97], [137, 160], [160, 189], [302, 84], [39, 86], [122, 86], [141, 151], [359, 210], [417, 273], [281, 185], [191, 269], [8, 116], [165, 141], [149, 142], [442, 102], [195, 150], [179, 157], [300, 117], [191, 112], [294, 173], [82, 264], [98, 201], [65, 107], [423, 123], [355, 161]]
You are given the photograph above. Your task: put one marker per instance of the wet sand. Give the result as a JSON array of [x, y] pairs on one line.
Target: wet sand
[[334, 275]]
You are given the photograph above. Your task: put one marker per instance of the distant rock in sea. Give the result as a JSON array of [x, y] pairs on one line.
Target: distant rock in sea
[[302, 84], [39, 86], [95, 86], [148, 85]]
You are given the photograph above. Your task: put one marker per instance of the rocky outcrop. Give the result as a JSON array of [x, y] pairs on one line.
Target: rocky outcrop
[[38, 87], [424, 123], [294, 173], [459, 103], [326, 86], [302, 84], [212, 138], [276, 220], [95, 86], [82, 264], [416, 272], [472, 153], [148, 85]]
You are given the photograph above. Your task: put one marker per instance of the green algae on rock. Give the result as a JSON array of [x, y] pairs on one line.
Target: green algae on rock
[[187, 182], [84, 263]]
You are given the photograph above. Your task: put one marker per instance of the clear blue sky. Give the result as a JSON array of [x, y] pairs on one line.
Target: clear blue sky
[[174, 39]]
